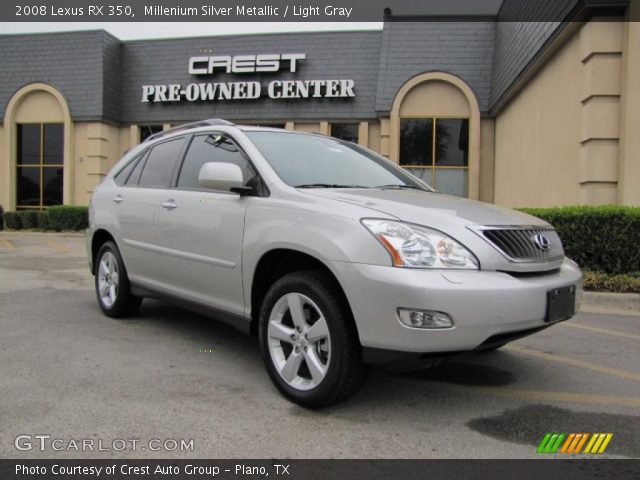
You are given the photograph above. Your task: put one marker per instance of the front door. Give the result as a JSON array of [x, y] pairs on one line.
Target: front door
[[201, 231]]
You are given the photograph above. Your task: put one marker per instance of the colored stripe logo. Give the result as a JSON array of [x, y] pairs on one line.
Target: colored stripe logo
[[574, 443]]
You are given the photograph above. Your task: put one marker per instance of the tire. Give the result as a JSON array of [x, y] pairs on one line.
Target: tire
[[113, 289], [311, 363]]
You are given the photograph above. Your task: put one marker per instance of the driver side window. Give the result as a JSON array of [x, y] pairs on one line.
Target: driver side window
[[213, 147]]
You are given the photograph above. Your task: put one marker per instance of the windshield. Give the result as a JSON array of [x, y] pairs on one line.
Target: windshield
[[308, 161]]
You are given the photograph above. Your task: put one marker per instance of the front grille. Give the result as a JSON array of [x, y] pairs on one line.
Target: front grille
[[519, 243]]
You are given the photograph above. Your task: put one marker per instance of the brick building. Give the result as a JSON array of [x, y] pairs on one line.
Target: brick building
[[514, 113]]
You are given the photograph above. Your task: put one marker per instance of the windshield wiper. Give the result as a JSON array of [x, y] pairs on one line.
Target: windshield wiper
[[399, 186], [327, 185]]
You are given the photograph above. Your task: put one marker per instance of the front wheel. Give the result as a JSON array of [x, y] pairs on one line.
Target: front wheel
[[309, 341], [113, 289]]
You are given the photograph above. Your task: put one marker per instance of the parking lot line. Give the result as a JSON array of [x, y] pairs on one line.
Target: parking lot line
[[57, 246], [604, 331], [7, 244], [574, 362], [541, 395]]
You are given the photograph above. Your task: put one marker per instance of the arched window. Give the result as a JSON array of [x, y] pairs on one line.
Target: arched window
[[38, 144], [435, 132]]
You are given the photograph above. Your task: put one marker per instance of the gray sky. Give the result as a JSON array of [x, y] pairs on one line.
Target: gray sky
[[140, 30]]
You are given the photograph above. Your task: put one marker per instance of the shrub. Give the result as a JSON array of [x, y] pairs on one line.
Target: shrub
[[605, 239], [43, 220], [68, 217], [12, 220], [604, 282], [28, 218]]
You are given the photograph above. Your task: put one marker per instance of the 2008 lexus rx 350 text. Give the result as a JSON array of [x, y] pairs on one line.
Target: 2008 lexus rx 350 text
[[333, 255]]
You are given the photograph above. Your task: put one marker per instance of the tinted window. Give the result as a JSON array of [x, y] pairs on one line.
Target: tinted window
[[134, 178], [52, 186], [159, 165], [416, 141], [123, 174], [436, 150], [212, 148], [147, 130], [28, 187], [40, 164], [345, 131], [53, 134], [29, 144], [452, 142]]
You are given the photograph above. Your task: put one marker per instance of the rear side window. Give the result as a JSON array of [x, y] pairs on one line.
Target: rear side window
[[134, 177], [160, 162], [213, 147], [122, 176]]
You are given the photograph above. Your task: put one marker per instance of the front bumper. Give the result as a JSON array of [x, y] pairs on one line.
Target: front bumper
[[482, 304]]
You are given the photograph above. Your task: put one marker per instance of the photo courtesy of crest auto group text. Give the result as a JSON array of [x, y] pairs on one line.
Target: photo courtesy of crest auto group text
[[314, 239]]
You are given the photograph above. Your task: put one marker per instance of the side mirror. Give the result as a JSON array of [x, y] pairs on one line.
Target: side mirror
[[222, 176]]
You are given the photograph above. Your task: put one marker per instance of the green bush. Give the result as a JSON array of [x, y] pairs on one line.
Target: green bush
[[28, 218], [67, 217], [604, 282], [605, 239], [12, 220], [43, 220]]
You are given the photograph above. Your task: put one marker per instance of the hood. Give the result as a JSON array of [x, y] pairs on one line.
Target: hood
[[426, 208]]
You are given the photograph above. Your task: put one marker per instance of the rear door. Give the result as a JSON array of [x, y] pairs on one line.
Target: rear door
[[137, 204], [201, 230]]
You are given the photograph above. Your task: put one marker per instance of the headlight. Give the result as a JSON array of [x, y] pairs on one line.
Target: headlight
[[420, 247]]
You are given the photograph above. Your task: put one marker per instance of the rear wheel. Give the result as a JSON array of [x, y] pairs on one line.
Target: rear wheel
[[113, 289], [309, 342]]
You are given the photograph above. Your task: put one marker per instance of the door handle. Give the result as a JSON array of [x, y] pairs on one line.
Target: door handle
[[118, 199], [170, 204]]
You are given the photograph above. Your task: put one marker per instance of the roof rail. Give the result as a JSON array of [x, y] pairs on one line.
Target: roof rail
[[209, 122]]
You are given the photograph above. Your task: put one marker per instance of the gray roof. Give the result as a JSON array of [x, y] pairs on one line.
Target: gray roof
[[71, 62], [464, 49], [102, 77], [519, 42]]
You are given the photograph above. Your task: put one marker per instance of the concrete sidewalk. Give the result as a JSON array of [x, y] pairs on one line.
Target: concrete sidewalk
[[611, 303]]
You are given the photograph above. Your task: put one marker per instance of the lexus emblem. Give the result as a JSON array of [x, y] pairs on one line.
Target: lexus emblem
[[542, 242]]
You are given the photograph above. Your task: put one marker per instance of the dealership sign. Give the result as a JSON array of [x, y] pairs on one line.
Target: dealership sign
[[247, 90]]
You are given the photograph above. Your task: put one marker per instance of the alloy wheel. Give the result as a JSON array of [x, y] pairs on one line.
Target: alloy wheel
[[299, 341], [108, 279]]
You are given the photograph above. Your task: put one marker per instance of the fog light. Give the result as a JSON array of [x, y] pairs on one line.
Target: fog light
[[424, 318]]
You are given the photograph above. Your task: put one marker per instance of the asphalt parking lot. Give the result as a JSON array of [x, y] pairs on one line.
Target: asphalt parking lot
[[69, 372]]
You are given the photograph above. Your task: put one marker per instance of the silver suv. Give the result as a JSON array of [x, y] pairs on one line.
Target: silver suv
[[333, 255]]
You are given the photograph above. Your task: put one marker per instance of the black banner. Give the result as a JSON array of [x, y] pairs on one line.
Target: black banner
[[296, 11], [318, 469]]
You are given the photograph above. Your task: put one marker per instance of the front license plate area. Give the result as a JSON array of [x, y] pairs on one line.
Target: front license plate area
[[561, 304]]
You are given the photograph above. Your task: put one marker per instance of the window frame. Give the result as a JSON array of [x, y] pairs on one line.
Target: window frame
[[40, 166], [433, 166], [147, 153]]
